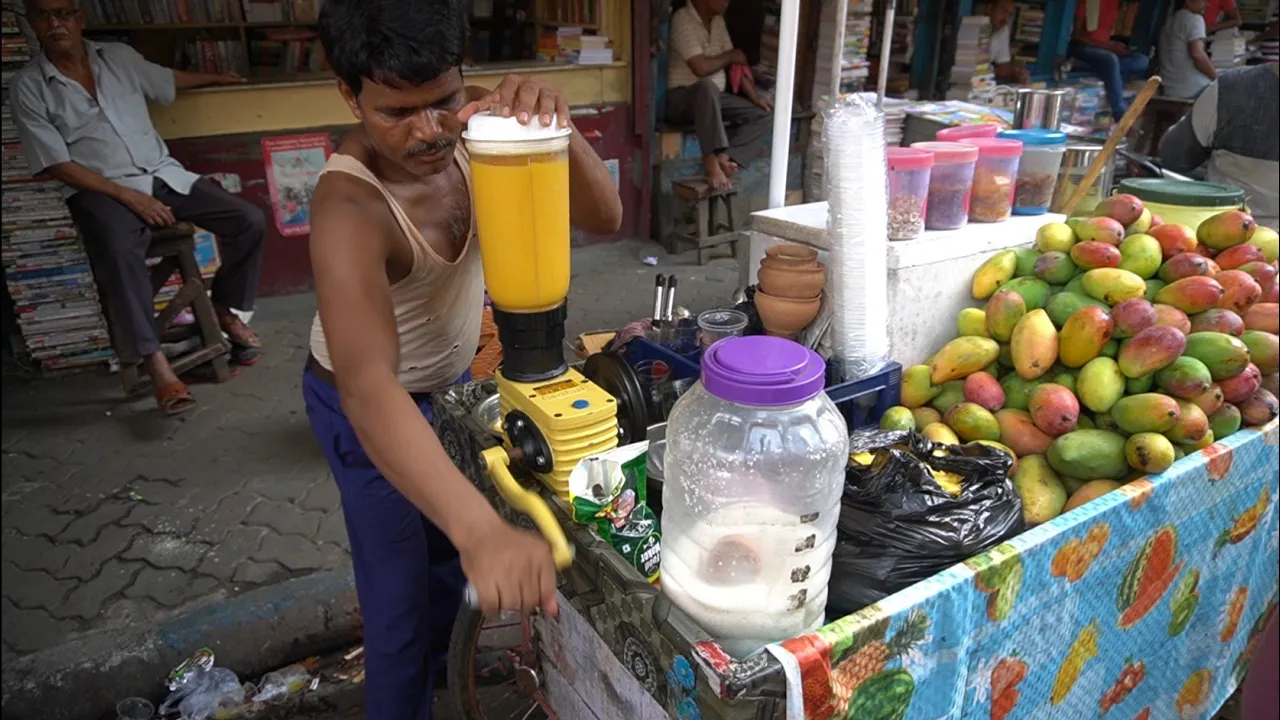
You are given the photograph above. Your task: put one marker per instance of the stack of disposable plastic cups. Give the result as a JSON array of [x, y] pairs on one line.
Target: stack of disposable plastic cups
[[967, 132], [909, 170], [858, 274], [994, 179], [1042, 152], [950, 182]]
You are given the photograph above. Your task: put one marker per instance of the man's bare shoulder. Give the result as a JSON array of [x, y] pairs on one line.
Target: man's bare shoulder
[[346, 207]]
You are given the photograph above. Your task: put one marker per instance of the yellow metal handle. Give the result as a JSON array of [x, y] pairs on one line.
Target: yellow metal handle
[[528, 502]]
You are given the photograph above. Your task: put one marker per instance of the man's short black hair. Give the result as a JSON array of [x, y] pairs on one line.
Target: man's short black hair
[[392, 42]]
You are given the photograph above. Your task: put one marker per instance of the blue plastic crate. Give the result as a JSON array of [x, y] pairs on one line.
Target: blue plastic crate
[[683, 367], [862, 401], [865, 400]]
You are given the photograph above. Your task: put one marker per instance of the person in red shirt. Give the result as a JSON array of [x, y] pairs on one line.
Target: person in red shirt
[[1112, 61], [1221, 15]]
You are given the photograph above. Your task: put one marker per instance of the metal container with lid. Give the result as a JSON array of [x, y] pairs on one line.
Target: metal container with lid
[[1038, 108], [1075, 162]]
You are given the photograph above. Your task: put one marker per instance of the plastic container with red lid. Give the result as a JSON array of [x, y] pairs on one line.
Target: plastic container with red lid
[[909, 170], [967, 132], [994, 178], [950, 181]]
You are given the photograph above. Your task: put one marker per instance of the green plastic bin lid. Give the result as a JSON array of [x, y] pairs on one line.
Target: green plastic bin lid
[[1183, 193]]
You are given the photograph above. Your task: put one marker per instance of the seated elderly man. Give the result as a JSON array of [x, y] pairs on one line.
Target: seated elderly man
[[81, 112], [730, 118]]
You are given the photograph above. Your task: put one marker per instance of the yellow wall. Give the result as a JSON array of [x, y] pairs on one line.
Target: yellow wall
[[287, 106]]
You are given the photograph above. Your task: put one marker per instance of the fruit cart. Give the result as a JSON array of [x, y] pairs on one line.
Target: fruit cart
[[1145, 603]]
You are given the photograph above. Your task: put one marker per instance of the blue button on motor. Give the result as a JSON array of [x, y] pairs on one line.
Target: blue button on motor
[[581, 404]]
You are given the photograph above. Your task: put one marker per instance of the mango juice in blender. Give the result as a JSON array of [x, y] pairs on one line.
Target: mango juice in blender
[[520, 186]]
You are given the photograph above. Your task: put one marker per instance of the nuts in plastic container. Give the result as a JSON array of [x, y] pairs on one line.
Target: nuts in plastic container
[[994, 179]]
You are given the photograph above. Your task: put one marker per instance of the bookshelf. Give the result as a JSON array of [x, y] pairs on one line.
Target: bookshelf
[[276, 40]]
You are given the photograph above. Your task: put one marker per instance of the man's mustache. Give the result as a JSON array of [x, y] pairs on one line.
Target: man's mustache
[[427, 148]]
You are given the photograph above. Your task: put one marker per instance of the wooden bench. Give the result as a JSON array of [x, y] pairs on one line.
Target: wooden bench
[[175, 247], [700, 200]]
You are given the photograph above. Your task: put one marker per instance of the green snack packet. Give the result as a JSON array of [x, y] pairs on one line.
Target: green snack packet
[[609, 494]]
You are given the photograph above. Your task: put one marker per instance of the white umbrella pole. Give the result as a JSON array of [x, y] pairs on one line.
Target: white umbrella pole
[[787, 36], [886, 44]]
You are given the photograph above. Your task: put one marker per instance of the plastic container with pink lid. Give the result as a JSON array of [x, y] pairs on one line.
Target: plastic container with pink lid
[[909, 170], [950, 181], [967, 132], [994, 179]]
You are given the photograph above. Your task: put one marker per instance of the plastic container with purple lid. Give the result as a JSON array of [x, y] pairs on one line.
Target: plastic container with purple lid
[[949, 184], [909, 170], [753, 472], [967, 132], [994, 179]]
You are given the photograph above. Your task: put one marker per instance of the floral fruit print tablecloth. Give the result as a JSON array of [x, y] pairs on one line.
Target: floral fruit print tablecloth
[[1146, 603]]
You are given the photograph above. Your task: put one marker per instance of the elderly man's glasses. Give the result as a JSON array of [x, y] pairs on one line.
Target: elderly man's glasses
[[59, 14]]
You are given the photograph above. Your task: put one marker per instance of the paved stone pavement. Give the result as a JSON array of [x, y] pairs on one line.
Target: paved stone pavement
[[115, 516]]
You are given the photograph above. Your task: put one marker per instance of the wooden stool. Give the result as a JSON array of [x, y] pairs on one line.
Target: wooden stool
[[709, 232], [176, 248], [1160, 114]]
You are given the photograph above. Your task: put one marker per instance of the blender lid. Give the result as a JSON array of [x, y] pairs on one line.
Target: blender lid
[[487, 127], [763, 371]]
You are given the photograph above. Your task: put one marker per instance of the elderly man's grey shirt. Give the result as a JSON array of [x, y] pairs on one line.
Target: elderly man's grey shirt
[[58, 121]]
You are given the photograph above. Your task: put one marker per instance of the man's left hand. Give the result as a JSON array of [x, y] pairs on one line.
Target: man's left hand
[[762, 103], [230, 79], [523, 98]]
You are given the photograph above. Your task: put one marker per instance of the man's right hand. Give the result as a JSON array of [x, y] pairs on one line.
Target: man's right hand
[[510, 569], [151, 210], [1118, 47], [737, 57]]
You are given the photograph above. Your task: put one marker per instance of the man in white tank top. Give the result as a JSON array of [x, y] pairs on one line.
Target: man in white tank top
[[400, 295]]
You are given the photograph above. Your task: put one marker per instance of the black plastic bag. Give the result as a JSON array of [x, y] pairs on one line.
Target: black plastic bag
[[898, 525]]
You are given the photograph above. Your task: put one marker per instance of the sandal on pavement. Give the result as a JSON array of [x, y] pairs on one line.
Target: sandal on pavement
[[175, 398], [245, 356], [241, 335]]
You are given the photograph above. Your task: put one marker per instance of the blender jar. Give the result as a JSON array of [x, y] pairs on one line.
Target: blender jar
[[520, 189], [994, 179], [950, 181], [1042, 152], [967, 132], [908, 191]]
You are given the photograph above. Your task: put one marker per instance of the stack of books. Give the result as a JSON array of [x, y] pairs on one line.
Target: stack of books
[[972, 71], [855, 67], [159, 12], [1228, 49], [46, 270], [570, 44], [1088, 101], [213, 56]]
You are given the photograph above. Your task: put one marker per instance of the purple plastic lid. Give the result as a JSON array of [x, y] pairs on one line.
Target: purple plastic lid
[[763, 371]]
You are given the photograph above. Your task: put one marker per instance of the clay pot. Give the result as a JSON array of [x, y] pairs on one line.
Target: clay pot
[[793, 283], [790, 255], [785, 317]]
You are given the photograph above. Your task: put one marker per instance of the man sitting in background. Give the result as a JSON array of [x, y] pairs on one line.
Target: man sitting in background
[[1113, 62], [731, 127], [1007, 69], [1231, 130], [81, 112]]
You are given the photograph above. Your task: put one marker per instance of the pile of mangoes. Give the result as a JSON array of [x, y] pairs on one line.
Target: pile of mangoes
[[1115, 346]]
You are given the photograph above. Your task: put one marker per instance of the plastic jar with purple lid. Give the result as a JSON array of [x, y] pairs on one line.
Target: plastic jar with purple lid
[[994, 179], [967, 132], [1042, 152], [753, 474], [950, 181], [909, 170]]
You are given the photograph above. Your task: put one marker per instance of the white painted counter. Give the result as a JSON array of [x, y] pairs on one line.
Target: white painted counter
[[929, 277]]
